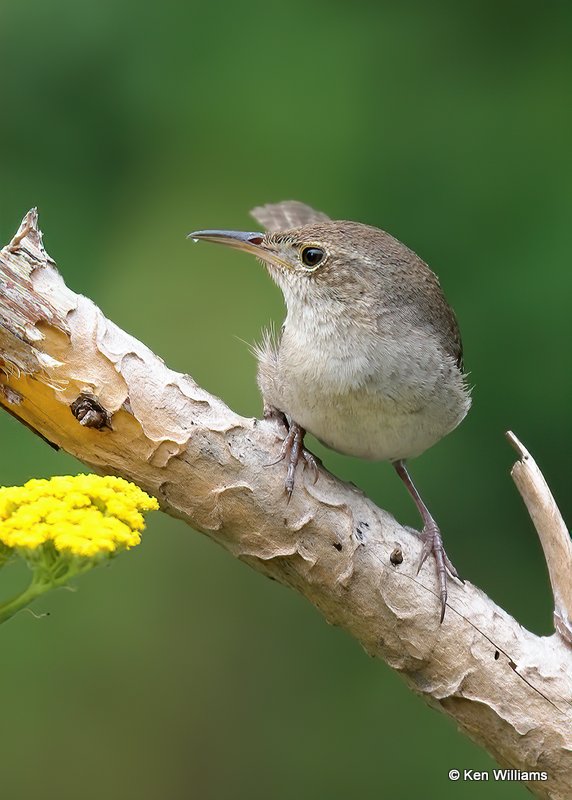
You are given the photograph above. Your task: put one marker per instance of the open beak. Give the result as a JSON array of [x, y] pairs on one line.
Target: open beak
[[240, 240]]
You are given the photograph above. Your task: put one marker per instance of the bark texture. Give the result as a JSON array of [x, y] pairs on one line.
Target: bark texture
[[88, 387]]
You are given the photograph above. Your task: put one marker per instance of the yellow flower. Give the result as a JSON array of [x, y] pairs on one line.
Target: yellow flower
[[65, 525], [81, 515]]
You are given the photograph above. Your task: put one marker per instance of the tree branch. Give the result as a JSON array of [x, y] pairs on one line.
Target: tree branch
[[552, 532], [86, 386]]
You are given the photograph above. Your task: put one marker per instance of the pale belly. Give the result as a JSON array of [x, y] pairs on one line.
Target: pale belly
[[368, 427], [390, 405]]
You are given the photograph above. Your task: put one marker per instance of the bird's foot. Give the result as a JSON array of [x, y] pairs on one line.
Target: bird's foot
[[433, 543], [293, 451]]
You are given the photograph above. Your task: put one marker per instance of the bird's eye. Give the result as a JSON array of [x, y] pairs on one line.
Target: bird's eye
[[311, 256]]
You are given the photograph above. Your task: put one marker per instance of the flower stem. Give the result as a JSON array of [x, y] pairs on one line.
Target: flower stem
[[12, 606]]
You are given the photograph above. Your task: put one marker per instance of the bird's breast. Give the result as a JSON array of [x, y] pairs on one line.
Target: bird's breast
[[386, 402]]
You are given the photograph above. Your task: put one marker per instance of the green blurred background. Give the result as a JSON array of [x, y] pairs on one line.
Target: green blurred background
[[177, 672]]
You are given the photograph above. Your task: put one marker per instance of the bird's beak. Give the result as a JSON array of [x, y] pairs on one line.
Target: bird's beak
[[240, 240]]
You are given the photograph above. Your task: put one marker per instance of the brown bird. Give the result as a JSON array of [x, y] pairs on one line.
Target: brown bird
[[369, 360]]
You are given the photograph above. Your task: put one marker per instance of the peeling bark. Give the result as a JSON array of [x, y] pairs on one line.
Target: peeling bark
[[88, 387]]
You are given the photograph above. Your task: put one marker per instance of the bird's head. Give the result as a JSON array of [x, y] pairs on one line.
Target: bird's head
[[328, 260]]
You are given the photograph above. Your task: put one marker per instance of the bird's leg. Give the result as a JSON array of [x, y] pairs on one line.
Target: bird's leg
[[431, 535], [292, 448]]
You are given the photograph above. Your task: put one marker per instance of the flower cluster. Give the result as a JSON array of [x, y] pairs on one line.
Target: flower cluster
[[65, 525], [83, 515]]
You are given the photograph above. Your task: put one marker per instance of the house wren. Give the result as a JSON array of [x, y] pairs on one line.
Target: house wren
[[369, 360]]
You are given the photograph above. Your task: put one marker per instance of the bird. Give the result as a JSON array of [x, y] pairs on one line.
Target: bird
[[369, 359]]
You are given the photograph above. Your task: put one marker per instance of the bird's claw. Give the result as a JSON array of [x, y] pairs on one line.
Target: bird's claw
[[433, 543], [294, 451]]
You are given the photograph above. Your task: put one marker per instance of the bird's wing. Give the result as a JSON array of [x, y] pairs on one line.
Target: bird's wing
[[289, 214]]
